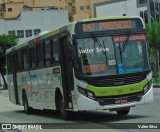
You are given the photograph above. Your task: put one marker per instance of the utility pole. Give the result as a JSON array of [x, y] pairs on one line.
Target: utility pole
[[126, 7], [158, 2], [148, 12], [155, 13]]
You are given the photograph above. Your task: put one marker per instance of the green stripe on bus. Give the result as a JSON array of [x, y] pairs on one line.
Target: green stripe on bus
[[60, 80], [52, 33], [117, 90]]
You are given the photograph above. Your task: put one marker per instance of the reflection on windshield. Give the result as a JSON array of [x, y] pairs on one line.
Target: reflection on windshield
[[107, 58], [92, 59], [133, 58]]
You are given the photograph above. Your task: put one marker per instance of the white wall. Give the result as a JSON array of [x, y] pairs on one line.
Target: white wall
[[45, 20], [118, 9]]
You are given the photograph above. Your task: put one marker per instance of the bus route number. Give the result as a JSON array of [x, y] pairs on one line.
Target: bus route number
[[88, 27]]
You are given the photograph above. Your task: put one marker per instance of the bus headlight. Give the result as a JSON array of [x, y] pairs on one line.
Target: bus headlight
[[82, 90], [147, 87], [86, 93], [90, 95]]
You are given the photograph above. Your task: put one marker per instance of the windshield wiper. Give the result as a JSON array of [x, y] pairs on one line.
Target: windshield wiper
[[123, 47], [124, 44], [99, 43]]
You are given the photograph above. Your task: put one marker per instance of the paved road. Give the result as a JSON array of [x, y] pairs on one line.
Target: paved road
[[149, 113]]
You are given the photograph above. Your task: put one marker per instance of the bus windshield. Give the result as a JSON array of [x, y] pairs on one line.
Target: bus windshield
[[111, 55]]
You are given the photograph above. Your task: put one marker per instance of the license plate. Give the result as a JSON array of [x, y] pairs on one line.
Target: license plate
[[121, 101]]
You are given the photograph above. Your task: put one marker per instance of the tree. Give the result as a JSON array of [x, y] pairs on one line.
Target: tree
[[6, 42], [153, 35]]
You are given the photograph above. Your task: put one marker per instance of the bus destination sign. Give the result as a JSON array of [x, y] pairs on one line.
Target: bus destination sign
[[108, 25]]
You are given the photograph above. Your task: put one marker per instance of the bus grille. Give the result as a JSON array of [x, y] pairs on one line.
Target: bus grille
[[111, 101], [119, 81]]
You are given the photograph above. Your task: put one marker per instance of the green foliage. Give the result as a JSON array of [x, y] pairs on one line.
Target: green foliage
[[6, 42], [153, 35]]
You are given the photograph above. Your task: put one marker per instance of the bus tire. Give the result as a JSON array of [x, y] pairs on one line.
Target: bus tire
[[123, 111], [57, 96], [27, 109], [66, 115]]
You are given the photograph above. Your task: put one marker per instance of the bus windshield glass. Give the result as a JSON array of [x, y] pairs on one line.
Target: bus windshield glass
[[111, 55]]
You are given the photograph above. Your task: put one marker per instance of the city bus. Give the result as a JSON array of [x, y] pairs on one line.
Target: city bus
[[98, 64]]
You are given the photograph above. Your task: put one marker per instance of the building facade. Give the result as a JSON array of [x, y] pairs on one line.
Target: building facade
[[10, 9], [119, 8], [25, 27], [82, 9], [77, 9], [149, 10]]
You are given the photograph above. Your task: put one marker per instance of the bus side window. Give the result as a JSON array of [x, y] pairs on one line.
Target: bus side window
[[19, 61], [25, 59], [47, 47], [55, 49], [32, 54], [40, 52]]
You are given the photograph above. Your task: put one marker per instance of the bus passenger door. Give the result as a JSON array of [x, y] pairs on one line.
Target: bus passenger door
[[67, 72], [14, 71]]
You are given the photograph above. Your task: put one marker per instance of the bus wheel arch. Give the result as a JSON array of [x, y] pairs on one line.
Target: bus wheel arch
[[27, 109]]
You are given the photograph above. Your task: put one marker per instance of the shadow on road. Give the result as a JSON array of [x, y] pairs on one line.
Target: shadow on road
[[89, 116], [103, 117]]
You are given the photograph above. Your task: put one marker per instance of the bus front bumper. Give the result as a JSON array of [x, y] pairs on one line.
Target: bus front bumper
[[84, 103]]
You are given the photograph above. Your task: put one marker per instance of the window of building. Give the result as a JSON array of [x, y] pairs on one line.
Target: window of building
[[70, 4], [12, 33], [47, 47], [10, 9], [1, 15], [20, 33], [73, 10], [82, 7], [28, 33], [37, 31], [87, 7]]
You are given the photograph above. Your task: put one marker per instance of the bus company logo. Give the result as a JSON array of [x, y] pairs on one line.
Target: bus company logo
[[118, 83], [6, 126]]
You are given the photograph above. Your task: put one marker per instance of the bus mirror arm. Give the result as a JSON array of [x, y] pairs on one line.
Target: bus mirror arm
[[148, 45]]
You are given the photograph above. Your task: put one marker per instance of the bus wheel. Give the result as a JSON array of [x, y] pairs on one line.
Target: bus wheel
[[27, 109], [66, 115], [123, 111]]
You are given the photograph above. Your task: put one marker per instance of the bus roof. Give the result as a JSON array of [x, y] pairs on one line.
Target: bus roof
[[110, 17], [37, 38], [41, 36]]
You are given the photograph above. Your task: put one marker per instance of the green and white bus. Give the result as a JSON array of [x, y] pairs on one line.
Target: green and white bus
[[95, 64]]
